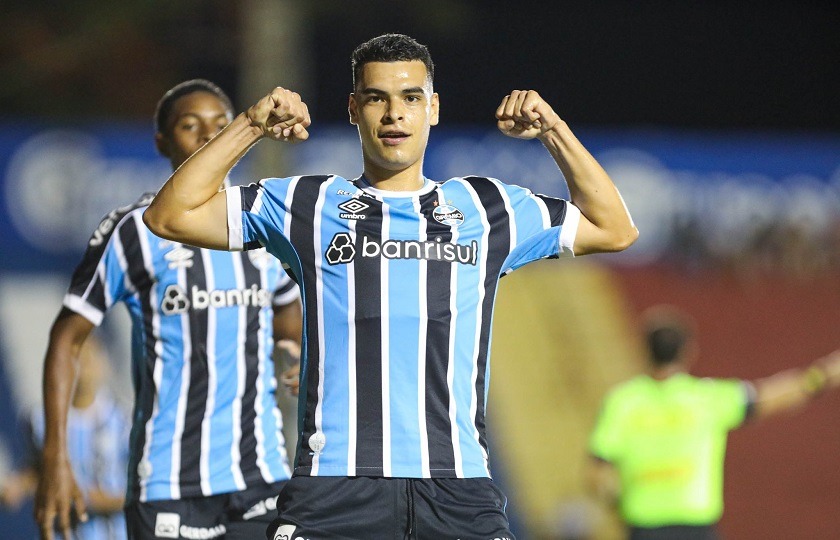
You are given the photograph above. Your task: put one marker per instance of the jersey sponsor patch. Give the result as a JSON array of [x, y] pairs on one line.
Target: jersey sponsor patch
[[353, 209], [285, 532], [175, 298], [342, 250], [167, 525]]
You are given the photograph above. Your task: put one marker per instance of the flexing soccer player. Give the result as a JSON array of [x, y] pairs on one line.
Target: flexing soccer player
[[207, 455], [398, 275], [659, 443]]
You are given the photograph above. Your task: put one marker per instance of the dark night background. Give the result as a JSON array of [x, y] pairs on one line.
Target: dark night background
[[720, 65]]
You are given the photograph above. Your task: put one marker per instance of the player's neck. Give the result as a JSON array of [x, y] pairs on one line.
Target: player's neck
[[666, 372], [410, 179]]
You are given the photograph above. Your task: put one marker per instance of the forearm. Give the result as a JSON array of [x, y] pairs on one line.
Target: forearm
[[792, 388], [100, 502], [182, 208], [60, 371], [591, 190]]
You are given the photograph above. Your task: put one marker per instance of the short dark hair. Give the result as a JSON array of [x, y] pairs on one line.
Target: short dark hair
[[164, 106], [667, 332], [390, 48]]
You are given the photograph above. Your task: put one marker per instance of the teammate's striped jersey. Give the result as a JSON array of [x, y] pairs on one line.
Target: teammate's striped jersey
[[398, 292], [97, 450], [205, 418]]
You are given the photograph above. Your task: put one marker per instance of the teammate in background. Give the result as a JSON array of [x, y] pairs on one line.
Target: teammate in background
[[206, 450], [399, 275], [97, 438], [659, 443]]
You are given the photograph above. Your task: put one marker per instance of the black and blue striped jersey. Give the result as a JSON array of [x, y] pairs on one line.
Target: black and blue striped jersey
[[205, 419], [398, 291]]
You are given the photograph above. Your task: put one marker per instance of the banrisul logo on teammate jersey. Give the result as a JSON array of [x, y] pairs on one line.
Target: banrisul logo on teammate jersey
[[176, 300], [342, 250]]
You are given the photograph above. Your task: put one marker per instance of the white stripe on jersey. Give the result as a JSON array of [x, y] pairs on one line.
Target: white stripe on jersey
[[386, 349], [568, 232], [236, 406], [178, 432], [154, 305], [287, 219], [236, 239], [482, 271], [421, 349], [352, 412], [258, 200], [450, 369], [319, 293], [212, 381]]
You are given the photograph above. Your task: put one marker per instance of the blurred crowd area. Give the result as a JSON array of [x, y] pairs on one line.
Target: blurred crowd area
[[792, 249]]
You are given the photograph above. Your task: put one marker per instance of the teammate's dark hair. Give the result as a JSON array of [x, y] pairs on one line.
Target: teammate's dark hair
[[390, 48], [164, 106], [667, 332]]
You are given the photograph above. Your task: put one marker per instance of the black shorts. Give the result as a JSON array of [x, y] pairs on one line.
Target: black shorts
[[366, 508], [674, 532], [239, 515]]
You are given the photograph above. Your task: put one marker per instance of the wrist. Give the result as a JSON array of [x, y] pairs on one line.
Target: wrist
[[813, 380]]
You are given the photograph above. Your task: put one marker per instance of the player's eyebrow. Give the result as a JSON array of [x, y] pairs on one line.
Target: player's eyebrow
[[405, 91]]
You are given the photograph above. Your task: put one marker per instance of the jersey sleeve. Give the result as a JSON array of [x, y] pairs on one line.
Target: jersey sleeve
[[99, 280], [728, 400], [257, 211], [605, 439], [542, 226]]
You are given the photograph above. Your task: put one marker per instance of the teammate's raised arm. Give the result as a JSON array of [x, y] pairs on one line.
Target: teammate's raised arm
[[189, 208], [605, 223]]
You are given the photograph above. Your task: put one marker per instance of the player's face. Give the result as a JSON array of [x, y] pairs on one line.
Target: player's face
[[393, 106], [194, 119]]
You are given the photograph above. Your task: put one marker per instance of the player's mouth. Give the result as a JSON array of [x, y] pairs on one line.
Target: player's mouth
[[393, 138]]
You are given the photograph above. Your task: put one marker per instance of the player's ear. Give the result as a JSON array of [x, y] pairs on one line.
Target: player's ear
[[352, 110], [435, 116], [161, 143]]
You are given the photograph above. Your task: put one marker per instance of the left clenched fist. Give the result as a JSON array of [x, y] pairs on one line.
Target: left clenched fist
[[523, 114]]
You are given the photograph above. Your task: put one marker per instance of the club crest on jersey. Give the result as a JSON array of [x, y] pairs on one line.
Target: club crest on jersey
[[180, 257], [352, 209], [448, 215]]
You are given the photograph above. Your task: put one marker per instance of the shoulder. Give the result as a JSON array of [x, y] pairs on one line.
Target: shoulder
[[115, 219]]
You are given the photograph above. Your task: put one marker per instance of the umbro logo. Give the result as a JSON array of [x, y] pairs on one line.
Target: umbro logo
[[180, 257], [352, 209]]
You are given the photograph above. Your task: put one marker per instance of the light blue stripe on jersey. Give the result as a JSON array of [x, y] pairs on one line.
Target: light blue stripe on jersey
[[335, 374], [468, 304], [169, 394], [226, 343], [404, 305]]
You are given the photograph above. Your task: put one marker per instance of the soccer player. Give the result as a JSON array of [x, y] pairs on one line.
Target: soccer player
[[97, 431], [207, 456], [398, 275], [659, 443]]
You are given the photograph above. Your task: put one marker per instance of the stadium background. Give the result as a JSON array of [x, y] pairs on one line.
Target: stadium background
[[719, 123]]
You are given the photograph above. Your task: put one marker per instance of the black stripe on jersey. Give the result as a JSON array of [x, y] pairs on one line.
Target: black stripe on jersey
[[498, 248], [190, 477], [368, 296], [85, 272], [556, 209], [142, 374], [438, 294], [301, 236], [248, 442]]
